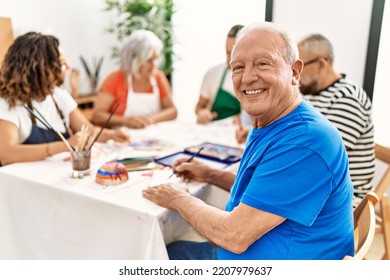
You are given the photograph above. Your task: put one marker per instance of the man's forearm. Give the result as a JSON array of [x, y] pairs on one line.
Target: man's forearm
[[207, 220], [221, 178]]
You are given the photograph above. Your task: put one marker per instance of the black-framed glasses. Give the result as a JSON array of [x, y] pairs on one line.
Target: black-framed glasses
[[313, 60]]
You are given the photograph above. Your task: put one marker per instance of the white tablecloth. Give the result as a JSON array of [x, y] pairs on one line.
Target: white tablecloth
[[44, 214]]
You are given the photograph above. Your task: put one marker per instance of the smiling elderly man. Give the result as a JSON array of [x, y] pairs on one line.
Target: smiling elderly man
[[291, 197]]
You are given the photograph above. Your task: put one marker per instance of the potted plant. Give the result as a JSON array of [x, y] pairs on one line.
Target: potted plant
[[153, 15]]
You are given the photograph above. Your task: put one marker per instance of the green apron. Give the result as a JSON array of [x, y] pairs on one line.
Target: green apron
[[225, 104]]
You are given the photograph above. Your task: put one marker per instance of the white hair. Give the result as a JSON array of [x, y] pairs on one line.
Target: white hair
[[138, 49], [290, 54]]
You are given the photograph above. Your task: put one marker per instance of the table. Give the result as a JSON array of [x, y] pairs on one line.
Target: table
[[45, 214]]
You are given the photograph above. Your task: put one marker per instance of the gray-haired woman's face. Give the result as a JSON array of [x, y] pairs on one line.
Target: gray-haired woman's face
[[147, 69]]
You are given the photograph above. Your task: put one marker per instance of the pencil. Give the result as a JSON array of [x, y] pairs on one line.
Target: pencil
[[189, 160]]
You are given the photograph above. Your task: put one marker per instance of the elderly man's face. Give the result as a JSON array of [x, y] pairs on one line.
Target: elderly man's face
[[263, 81]]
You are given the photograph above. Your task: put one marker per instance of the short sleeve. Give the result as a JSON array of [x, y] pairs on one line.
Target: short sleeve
[[350, 118], [65, 102], [284, 177], [8, 115], [111, 84]]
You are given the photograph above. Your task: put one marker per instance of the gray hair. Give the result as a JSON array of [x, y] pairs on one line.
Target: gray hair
[[290, 52], [138, 49], [318, 44]]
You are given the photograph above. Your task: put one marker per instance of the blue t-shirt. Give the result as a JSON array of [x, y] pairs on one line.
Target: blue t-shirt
[[297, 168]]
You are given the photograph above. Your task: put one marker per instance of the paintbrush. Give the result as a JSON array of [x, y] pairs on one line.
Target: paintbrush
[[42, 119], [104, 125]]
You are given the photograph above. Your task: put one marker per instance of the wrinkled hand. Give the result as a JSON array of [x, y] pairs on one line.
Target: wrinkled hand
[[163, 195], [193, 170], [205, 116], [138, 122]]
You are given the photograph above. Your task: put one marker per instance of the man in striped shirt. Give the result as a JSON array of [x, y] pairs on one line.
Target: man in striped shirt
[[345, 104]]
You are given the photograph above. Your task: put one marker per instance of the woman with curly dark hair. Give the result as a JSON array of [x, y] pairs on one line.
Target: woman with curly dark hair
[[30, 78]]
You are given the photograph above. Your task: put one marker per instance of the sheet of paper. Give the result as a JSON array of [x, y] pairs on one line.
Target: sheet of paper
[[162, 177]]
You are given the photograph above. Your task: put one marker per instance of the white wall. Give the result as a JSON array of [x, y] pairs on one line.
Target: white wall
[[381, 100], [78, 24]]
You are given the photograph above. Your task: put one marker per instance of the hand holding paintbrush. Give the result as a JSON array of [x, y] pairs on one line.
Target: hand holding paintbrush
[[189, 160]]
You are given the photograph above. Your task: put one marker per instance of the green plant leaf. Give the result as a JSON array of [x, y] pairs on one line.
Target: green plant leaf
[[154, 15]]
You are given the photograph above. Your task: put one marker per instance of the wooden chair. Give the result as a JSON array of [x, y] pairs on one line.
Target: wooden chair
[[382, 154], [384, 224], [364, 224]]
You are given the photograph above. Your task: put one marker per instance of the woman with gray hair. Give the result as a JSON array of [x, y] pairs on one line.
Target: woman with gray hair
[[142, 91]]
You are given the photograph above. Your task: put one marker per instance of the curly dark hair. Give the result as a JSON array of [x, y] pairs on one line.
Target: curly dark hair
[[31, 69]]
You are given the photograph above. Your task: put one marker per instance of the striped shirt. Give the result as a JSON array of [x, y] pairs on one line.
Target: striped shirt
[[348, 107]]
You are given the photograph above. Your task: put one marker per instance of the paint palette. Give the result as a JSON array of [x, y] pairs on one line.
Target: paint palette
[[217, 151], [213, 154]]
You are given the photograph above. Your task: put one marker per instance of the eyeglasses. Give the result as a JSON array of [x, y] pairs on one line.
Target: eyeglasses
[[313, 60]]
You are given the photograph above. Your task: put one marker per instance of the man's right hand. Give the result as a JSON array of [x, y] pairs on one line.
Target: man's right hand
[[193, 170]]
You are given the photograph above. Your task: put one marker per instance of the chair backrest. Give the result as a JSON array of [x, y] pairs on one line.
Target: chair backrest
[[364, 224], [384, 224], [382, 153]]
